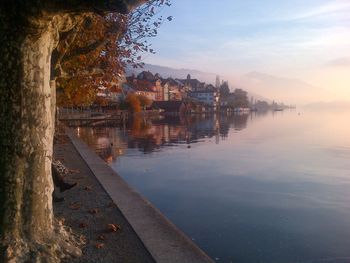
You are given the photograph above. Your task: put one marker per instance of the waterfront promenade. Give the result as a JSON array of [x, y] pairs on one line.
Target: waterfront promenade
[[102, 198]]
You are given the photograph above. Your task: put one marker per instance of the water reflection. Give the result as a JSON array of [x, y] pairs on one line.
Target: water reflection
[[261, 187], [152, 134]]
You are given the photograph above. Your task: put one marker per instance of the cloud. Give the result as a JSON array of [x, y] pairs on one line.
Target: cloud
[[272, 50], [339, 62], [291, 38], [327, 9], [333, 9]]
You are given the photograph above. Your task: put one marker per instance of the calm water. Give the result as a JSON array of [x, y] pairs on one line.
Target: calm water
[[271, 187]]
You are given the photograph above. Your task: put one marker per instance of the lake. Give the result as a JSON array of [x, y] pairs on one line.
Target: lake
[[258, 187]]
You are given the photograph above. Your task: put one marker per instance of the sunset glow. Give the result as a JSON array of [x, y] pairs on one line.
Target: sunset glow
[[304, 40]]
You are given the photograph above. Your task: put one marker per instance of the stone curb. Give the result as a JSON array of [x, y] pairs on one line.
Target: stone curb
[[164, 241]]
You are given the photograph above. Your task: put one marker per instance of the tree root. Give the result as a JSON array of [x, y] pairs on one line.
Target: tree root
[[63, 244]]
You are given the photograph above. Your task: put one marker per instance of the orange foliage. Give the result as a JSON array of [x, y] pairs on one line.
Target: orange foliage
[[96, 52], [133, 102], [75, 93], [144, 101], [101, 101]]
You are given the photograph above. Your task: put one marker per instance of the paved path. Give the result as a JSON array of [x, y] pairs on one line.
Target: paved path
[[88, 210], [165, 242]]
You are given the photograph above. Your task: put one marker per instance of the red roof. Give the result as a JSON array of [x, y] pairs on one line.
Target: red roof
[[142, 85]]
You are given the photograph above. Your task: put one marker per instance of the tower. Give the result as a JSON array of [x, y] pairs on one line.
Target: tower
[[217, 82]]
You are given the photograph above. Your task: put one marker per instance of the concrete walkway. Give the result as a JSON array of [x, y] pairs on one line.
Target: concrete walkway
[[87, 210], [164, 241]]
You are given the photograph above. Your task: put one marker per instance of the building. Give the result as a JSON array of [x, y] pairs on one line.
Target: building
[[209, 96], [140, 87], [170, 106], [145, 88], [162, 92], [127, 88], [192, 84], [155, 84], [114, 93], [147, 75], [174, 89]]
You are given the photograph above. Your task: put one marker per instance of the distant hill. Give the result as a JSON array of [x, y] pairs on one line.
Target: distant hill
[[287, 90], [206, 77], [337, 105], [166, 72]]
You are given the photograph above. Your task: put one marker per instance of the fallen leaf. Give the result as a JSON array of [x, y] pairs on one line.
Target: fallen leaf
[[83, 225], [99, 245], [112, 204], [61, 221], [94, 211], [113, 227], [88, 188], [83, 239], [74, 206], [101, 237]]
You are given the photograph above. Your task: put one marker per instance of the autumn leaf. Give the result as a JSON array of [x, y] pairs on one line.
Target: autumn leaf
[[101, 237], [88, 188], [94, 211], [83, 224], [113, 227], [100, 49], [61, 221], [112, 204], [74, 206], [99, 245], [83, 239]]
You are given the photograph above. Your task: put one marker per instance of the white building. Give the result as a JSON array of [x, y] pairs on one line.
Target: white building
[[209, 96]]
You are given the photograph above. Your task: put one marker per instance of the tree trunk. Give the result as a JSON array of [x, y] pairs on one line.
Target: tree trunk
[[27, 126], [29, 32]]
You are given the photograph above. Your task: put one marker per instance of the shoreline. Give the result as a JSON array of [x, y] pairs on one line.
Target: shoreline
[[88, 210], [160, 237]]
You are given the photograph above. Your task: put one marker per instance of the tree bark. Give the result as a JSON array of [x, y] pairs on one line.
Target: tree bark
[[27, 121], [29, 32]]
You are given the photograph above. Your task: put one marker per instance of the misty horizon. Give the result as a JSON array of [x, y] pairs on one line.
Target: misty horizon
[[305, 42], [245, 82]]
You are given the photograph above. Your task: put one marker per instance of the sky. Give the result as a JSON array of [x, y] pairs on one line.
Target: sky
[[307, 40]]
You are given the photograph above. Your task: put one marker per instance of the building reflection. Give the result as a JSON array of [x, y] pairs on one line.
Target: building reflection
[[155, 134]]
